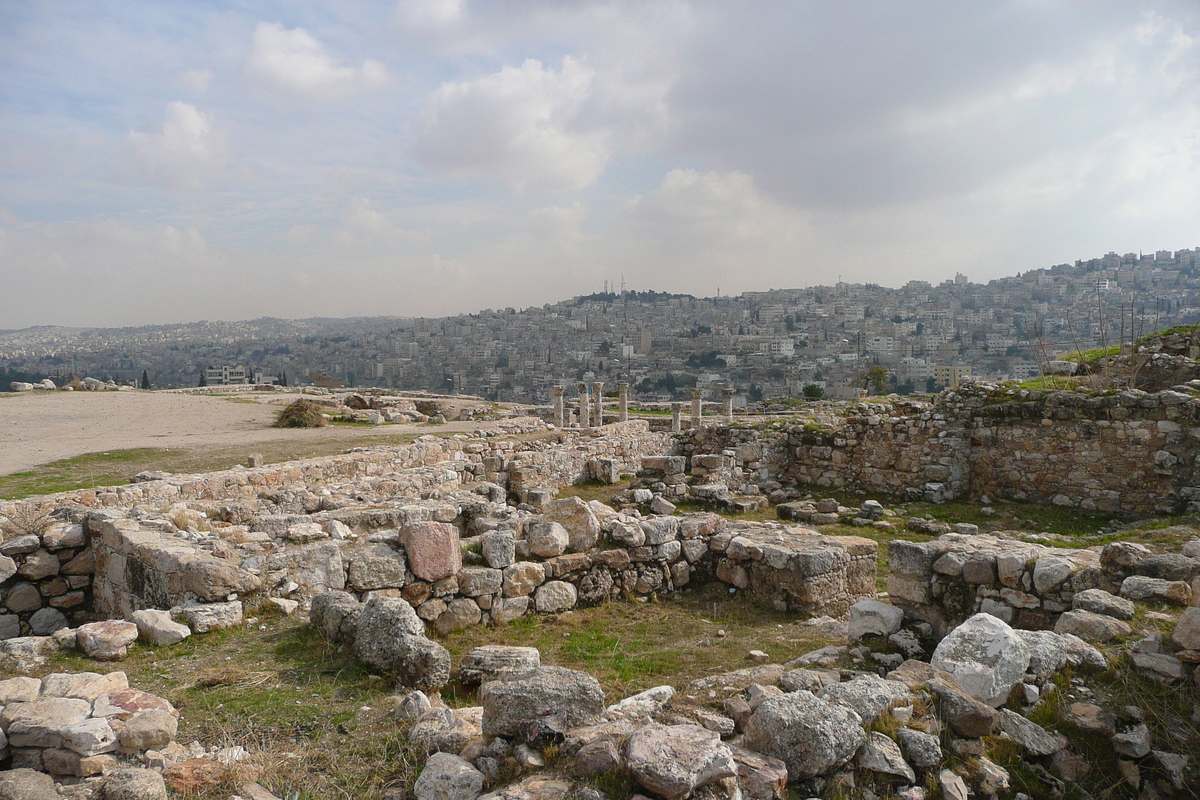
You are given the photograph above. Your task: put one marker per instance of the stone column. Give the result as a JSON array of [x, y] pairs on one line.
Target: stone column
[[676, 417], [697, 408], [583, 405], [598, 404], [559, 417], [623, 402], [727, 404]]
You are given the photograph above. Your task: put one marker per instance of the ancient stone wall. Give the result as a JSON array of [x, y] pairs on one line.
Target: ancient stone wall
[[45, 579]]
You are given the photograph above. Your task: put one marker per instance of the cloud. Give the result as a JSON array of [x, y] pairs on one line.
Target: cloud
[[196, 80], [520, 124], [184, 150], [293, 61], [429, 15]]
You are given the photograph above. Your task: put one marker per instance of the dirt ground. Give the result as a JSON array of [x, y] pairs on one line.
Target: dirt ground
[[37, 428]]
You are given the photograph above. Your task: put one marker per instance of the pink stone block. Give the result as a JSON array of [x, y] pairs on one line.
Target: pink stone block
[[433, 548]]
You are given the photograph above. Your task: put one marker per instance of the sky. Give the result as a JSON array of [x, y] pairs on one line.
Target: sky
[[172, 162]]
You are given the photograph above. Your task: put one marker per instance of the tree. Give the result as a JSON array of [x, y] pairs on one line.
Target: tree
[[283, 379], [876, 378], [813, 392], [203, 380], [145, 379], [930, 386]]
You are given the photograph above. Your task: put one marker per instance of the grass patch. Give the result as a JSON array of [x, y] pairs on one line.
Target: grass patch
[[596, 490]]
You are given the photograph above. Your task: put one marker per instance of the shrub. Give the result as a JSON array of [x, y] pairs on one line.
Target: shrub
[[301, 414], [24, 518]]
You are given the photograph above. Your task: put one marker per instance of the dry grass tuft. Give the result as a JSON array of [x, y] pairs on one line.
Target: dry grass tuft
[[24, 518], [301, 414]]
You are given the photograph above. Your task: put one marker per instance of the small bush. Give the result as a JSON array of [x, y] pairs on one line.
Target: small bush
[[301, 414], [24, 518]]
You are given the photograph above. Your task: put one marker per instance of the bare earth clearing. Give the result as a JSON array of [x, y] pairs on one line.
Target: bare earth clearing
[[41, 427]]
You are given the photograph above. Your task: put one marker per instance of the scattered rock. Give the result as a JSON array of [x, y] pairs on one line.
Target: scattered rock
[[574, 698], [985, 656], [108, 640], [157, 627], [448, 777], [810, 735], [872, 618], [673, 761]]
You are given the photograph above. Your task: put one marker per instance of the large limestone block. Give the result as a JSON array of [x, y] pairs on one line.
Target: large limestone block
[[42, 722], [547, 538], [335, 615], [1035, 739], [434, 549], [882, 755], [108, 640], [215, 579], [873, 618], [135, 784], [760, 777], [1091, 627], [575, 698], [555, 596], [448, 777], [1099, 601], [152, 729], [673, 761], [91, 737], [579, 520], [1187, 629], [157, 627], [985, 656], [315, 567], [869, 697], [492, 662], [27, 784], [391, 637], [374, 566], [810, 735], [1047, 651], [205, 617], [1138, 587]]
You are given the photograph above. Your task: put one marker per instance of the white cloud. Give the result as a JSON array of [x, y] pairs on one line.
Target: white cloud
[[520, 124], [196, 80], [184, 150], [294, 61], [429, 15]]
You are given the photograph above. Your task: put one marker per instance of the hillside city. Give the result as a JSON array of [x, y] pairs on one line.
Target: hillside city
[[764, 344]]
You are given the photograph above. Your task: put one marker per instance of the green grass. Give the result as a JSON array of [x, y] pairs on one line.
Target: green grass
[[1094, 354]]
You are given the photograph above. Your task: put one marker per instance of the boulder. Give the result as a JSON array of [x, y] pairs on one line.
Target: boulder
[[574, 514], [213, 579], [1187, 629], [810, 735], [314, 567], [335, 614], [922, 750], [1091, 627], [390, 637], [872, 618], [554, 596], [152, 729], [966, 716], [882, 755], [27, 784], [205, 617], [547, 539], [499, 548], [673, 761], [42, 722], [574, 698], [1099, 601], [434, 549], [642, 705], [91, 737], [374, 566], [869, 697], [1139, 587], [1035, 739], [46, 621], [760, 777], [134, 784], [448, 777], [985, 656], [157, 628], [1082, 655], [492, 662], [108, 640], [1047, 651]]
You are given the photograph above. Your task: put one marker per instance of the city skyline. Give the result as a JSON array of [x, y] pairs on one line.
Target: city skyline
[[222, 161]]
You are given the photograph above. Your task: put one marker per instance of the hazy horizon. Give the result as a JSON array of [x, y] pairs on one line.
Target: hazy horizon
[[222, 161]]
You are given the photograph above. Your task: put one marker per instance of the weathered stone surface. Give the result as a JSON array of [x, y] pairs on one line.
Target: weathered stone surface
[[152, 729], [1035, 739], [491, 662], [374, 566], [391, 637], [882, 755], [985, 656], [42, 722], [448, 777], [460, 613], [434, 549], [673, 761], [1091, 719], [965, 715], [83, 685], [46, 621], [214, 579], [124, 703], [1187, 629], [1091, 627], [869, 697], [499, 548], [522, 578], [314, 567], [108, 640], [207, 617], [19, 690], [1082, 655], [555, 596], [1132, 743], [547, 538], [157, 628], [1099, 601], [575, 698], [90, 737], [1047, 651], [134, 784], [642, 705], [870, 617], [27, 784], [760, 777], [335, 615], [811, 736], [574, 514], [922, 750], [1138, 587]]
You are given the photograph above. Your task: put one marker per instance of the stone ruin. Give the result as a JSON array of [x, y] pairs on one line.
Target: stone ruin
[[386, 549]]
